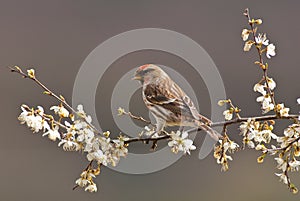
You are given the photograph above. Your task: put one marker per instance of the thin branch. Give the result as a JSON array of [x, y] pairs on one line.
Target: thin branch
[[216, 124], [283, 148], [137, 118], [261, 61], [256, 118], [87, 168], [236, 110], [51, 93], [139, 139]]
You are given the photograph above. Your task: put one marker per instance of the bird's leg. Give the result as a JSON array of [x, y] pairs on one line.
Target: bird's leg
[[154, 145], [159, 130], [181, 129], [150, 136]]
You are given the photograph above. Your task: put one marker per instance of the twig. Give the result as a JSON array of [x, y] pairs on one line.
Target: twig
[[49, 92], [138, 139], [87, 167], [265, 73], [256, 118], [137, 118], [284, 148], [236, 110], [216, 124]]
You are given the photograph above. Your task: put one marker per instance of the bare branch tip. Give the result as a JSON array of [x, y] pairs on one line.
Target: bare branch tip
[[246, 12]]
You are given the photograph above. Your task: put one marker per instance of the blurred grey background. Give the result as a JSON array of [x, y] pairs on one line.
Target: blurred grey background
[[55, 37]]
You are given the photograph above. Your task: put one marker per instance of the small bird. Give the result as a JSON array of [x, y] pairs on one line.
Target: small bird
[[168, 102]]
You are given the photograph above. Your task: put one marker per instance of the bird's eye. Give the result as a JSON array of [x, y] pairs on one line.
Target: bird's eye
[[147, 70]]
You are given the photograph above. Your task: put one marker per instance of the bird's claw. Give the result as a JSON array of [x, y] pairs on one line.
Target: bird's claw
[[154, 145]]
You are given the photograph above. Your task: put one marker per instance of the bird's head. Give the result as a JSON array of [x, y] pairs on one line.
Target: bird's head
[[148, 72]]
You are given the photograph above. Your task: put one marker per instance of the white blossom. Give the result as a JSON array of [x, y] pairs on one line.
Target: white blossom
[[82, 182], [230, 145], [120, 148], [267, 104], [228, 114], [91, 188], [282, 177], [265, 99], [261, 136], [87, 175], [245, 126], [92, 145], [253, 134], [290, 134], [98, 156], [248, 45], [270, 51], [53, 134], [105, 143], [85, 135], [267, 135], [69, 145], [294, 164], [245, 34], [281, 164], [180, 142], [260, 88], [262, 39], [40, 110], [284, 111], [271, 83], [80, 109], [60, 110], [220, 152], [34, 122], [292, 131]]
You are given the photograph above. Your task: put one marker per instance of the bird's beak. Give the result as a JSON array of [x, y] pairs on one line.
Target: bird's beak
[[136, 77]]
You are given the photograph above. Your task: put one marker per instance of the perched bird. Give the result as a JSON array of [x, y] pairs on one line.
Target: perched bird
[[168, 102]]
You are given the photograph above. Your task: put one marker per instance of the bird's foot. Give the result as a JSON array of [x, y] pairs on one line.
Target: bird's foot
[[154, 145]]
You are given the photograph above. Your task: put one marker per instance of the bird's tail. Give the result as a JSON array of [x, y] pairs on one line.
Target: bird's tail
[[204, 119], [212, 133]]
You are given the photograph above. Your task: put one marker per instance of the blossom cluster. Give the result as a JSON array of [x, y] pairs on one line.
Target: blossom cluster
[[260, 40], [180, 143], [257, 134], [229, 113], [265, 89], [76, 134], [266, 85], [288, 153], [221, 151]]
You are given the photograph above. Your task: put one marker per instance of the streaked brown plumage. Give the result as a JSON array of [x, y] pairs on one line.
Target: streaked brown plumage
[[168, 102]]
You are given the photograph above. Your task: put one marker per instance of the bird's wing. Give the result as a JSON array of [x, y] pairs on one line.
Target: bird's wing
[[187, 102], [158, 95], [169, 99], [189, 105]]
